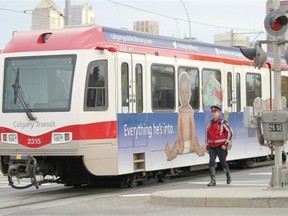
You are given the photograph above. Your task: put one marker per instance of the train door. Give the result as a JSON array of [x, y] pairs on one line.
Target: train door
[[137, 99], [233, 100], [131, 117], [232, 88]]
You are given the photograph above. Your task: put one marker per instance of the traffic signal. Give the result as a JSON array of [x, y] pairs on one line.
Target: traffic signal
[[257, 54], [276, 23]]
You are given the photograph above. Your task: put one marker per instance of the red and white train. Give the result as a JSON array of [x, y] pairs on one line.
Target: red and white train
[[83, 104]]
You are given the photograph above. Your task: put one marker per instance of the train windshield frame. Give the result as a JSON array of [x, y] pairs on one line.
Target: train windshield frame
[[38, 83]]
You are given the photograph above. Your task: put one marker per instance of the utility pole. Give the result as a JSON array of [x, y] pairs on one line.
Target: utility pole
[[232, 37], [67, 12]]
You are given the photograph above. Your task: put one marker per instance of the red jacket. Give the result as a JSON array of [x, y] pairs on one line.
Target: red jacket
[[219, 133]]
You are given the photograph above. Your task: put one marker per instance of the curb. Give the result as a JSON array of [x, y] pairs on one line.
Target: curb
[[223, 197]]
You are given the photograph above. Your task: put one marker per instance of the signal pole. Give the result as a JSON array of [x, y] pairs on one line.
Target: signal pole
[[276, 179], [276, 173]]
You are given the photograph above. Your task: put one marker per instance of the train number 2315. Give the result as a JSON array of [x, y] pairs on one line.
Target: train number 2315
[[33, 141]]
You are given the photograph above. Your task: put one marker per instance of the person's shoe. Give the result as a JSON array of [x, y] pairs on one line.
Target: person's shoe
[[228, 180], [228, 176], [212, 183]]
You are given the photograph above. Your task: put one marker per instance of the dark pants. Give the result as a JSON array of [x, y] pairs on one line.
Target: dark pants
[[222, 154]]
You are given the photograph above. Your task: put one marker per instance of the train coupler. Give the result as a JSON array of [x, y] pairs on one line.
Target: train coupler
[[22, 167]]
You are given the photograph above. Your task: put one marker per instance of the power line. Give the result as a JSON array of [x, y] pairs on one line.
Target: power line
[[27, 12], [180, 19], [9, 10], [32, 12], [139, 9], [53, 7]]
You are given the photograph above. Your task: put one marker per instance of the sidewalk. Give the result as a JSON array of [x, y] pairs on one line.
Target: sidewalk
[[254, 197]]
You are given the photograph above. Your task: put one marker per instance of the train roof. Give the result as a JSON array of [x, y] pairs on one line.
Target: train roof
[[97, 37]]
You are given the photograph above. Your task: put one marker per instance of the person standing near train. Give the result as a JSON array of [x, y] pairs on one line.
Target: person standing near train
[[219, 135]]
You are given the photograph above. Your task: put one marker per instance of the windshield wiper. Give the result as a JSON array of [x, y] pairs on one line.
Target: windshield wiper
[[19, 94]]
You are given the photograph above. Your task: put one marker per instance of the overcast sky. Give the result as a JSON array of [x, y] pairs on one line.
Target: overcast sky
[[208, 17]]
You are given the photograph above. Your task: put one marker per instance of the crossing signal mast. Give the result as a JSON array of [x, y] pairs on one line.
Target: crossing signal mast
[[274, 122]]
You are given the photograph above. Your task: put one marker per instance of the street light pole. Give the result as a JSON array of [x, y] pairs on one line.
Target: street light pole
[[67, 12], [187, 17]]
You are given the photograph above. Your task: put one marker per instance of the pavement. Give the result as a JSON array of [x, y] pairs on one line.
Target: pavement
[[228, 196]]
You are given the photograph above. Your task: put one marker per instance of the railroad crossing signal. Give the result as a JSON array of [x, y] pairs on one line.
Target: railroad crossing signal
[[276, 22], [257, 54], [273, 122]]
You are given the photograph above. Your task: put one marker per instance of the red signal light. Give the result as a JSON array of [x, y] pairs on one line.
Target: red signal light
[[278, 24]]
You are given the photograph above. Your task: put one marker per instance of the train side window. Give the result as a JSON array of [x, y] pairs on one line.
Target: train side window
[[253, 88], [163, 87], [96, 86], [125, 84], [211, 88], [193, 74], [238, 92], [139, 88], [229, 89]]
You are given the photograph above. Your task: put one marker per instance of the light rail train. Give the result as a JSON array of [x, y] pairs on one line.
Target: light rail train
[[80, 105]]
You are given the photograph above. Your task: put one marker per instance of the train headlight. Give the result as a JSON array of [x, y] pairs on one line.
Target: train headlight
[[61, 137], [10, 138]]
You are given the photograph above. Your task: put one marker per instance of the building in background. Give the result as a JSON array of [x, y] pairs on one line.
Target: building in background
[[47, 15], [269, 8], [232, 39], [82, 14], [151, 27]]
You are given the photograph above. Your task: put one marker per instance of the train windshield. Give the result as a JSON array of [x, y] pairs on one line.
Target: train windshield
[[38, 84]]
